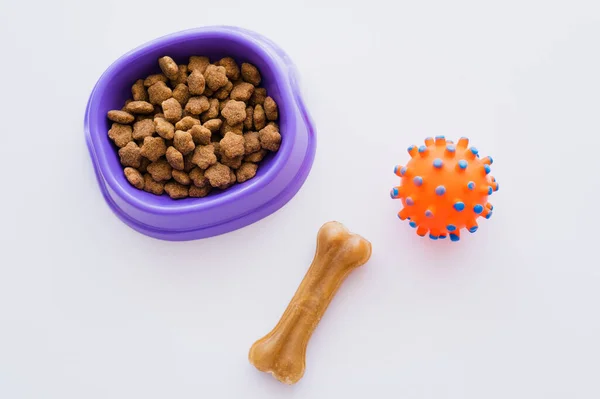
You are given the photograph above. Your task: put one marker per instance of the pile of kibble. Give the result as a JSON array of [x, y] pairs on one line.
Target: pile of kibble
[[196, 127]]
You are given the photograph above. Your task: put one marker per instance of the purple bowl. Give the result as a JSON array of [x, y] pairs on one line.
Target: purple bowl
[[280, 175]]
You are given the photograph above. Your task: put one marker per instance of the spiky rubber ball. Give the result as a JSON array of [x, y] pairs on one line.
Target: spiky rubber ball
[[444, 188]]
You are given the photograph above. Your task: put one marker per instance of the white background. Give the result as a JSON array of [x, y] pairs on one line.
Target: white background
[[91, 309]]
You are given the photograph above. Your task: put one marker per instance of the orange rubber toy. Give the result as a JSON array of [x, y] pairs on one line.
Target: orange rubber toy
[[444, 188]]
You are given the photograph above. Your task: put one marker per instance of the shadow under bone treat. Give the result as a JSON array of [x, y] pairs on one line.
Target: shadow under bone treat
[[282, 352]]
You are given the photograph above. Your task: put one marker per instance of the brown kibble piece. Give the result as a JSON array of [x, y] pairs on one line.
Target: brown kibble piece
[[198, 63], [160, 170], [186, 123], [196, 83], [120, 134], [197, 105], [233, 163], [250, 74], [122, 117], [234, 112], [139, 107], [270, 109], [181, 93], [246, 172], [153, 148], [260, 118], [218, 175], [176, 190], [213, 108], [216, 77], [159, 92], [165, 129], [182, 76], [258, 97], [130, 155], [232, 180], [256, 156], [183, 142], [175, 158], [232, 145], [143, 128], [124, 108], [153, 186], [204, 156], [138, 91], [251, 142], [199, 192], [198, 178], [134, 177], [232, 70], [270, 139], [212, 112], [158, 77], [242, 91], [213, 125], [172, 110], [224, 91], [237, 129], [249, 121], [168, 66], [181, 177], [200, 134]]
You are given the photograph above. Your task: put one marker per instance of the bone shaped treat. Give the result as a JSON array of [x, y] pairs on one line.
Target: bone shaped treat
[[282, 351]]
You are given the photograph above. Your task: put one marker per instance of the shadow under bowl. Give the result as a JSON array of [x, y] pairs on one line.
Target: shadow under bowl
[[280, 175]]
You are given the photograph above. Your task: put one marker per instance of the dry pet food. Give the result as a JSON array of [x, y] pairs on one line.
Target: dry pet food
[[195, 127]]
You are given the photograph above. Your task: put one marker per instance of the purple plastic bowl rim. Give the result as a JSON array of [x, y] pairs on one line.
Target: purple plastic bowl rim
[[268, 50]]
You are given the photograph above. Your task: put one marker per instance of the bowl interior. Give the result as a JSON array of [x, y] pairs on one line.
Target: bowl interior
[[114, 88]]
